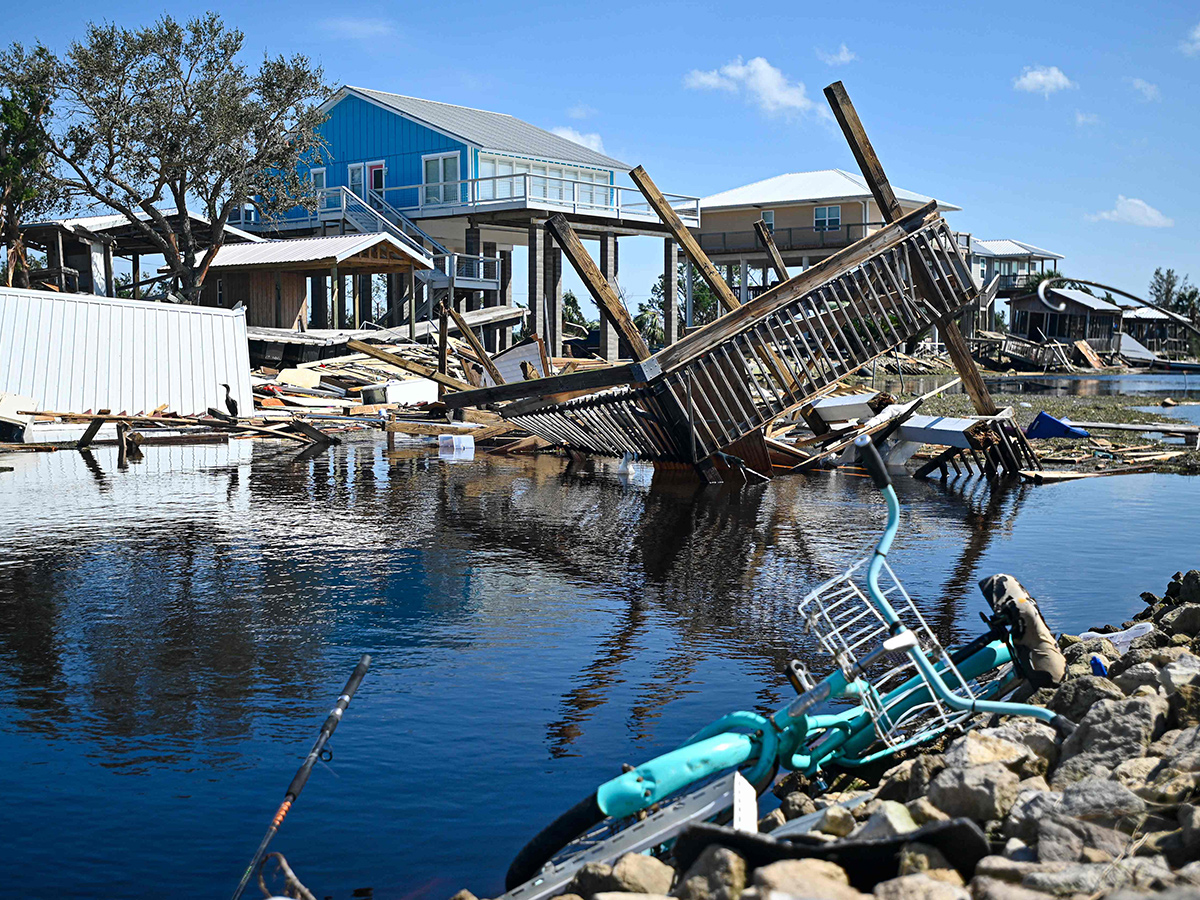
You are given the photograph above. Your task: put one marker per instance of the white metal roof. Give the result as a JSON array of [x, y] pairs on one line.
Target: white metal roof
[[1150, 314], [808, 187], [488, 130], [75, 352], [1006, 247], [328, 249], [1085, 299], [99, 224]]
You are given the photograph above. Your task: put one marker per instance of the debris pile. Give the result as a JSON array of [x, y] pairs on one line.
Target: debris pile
[[1007, 811]]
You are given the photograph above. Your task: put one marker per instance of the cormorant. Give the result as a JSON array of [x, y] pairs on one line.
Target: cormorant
[[230, 403]]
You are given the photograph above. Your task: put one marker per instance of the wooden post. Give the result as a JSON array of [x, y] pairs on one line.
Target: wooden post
[[135, 291], [685, 239], [407, 365], [610, 339], [335, 298], [764, 235], [355, 290], [889, 206], [443, 341], [593, 279], [469, 336], [110, 289], [278, 300]]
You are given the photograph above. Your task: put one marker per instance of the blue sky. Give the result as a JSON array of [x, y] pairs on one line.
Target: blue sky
[[1071, 126]]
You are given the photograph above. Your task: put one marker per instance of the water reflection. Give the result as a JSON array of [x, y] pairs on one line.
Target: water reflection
[[169, 629]]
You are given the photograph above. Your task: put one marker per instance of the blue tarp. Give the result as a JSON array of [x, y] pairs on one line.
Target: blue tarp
[[1046, 426]]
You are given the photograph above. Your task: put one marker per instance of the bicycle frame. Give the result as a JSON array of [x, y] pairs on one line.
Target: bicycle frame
[[803, 742]]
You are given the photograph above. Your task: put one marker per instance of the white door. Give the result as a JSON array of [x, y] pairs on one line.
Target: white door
[[356, 180]]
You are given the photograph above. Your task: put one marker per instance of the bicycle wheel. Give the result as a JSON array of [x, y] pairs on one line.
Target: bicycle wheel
[[581, 817]]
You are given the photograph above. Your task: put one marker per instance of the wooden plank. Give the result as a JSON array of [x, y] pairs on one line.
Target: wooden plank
[[1086, 351], [889, 206], [587, 380], [773, 253], [697, 342], [444, 336], [593, 279], [469, 335], [685, 239], [400, 362], [1156, 427], [1044, 476], [93, 427], [424, 429], [315, 434]]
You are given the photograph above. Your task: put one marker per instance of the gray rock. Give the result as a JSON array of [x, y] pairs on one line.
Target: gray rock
[[1011, 870], [1184, 706], [464, 894], [1036, 783], [1190, 587], [985, 888], [924, 812], [890, 819], [1038, 737], [717, 874], [837, 821], [1074, 698], [1029, 809], [628, 895], [797, 804], [1112, 732], [806, 878], [1062, 838], [1088, 878], [917, 857], [1179, 892], [1189, 822], [1131, 679], [975, 748], [1084, 649], [919, 887], [981, 793], [637, 873], [593, 878], [771, 820], [910, 779], [1183, 619], [1182, 671], [1100, 800]]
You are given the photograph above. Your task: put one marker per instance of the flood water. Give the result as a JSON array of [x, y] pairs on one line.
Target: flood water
[[173, 633]]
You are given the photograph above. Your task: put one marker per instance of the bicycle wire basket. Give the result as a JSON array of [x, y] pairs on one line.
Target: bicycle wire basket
[[898, 696]]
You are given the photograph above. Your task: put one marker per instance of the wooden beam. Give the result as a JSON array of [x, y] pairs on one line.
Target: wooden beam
[[588, 379], [685, 239], [93, 427], [593, 279], [889, 207], [773, 253], [444, 334], [484, 360], [425, 429], [408, 365]]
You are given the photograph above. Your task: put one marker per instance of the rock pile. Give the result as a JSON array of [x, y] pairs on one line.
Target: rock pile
[[1112, 811]]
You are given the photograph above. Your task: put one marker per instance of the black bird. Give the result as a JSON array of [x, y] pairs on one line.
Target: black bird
[[230, 403]]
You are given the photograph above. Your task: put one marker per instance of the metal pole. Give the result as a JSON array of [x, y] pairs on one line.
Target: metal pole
[[301, 776]]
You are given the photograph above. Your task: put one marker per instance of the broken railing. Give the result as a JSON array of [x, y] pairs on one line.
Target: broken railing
[[726, 381]]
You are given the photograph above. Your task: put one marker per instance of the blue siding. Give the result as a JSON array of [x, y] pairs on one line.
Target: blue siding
[[358, 132]]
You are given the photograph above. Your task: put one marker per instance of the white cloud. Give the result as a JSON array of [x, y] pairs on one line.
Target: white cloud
[[592, 140], [1132, 211], [1082, 118], [1149, 92], [844, 55], [762, 83], [359, 29], [581, 111], [1191, 46], [1043, 80]]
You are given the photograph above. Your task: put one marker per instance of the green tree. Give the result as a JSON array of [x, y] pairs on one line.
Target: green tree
[[1175, 293], [169, 115], [27, 185], [705, 306], [573, 314]]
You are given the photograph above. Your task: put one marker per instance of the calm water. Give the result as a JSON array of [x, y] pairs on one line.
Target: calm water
[[171, 635]]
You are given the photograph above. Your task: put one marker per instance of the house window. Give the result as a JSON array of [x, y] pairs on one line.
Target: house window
[[828, 218], [317, 176], [441, 177], [220, 292], [356, 179], [768, 217], [326, 198]]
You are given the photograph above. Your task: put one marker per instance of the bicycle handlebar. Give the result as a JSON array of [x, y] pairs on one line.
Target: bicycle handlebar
[[868, 453]]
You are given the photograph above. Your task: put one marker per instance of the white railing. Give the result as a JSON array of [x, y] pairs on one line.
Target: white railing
[[583, 197]]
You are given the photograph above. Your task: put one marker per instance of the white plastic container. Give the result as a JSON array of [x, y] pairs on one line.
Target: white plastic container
[[456, 446]]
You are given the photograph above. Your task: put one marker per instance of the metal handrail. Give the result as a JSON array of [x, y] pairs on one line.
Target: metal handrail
[[351, 200], [581, 195], [404, 222]]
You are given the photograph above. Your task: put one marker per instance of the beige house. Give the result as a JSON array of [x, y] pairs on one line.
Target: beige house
[[811, 215]]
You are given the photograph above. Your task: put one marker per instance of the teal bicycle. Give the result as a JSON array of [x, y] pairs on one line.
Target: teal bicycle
[[906, 690]]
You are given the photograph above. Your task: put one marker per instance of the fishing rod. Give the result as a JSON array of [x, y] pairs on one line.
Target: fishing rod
[[301, 776]]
